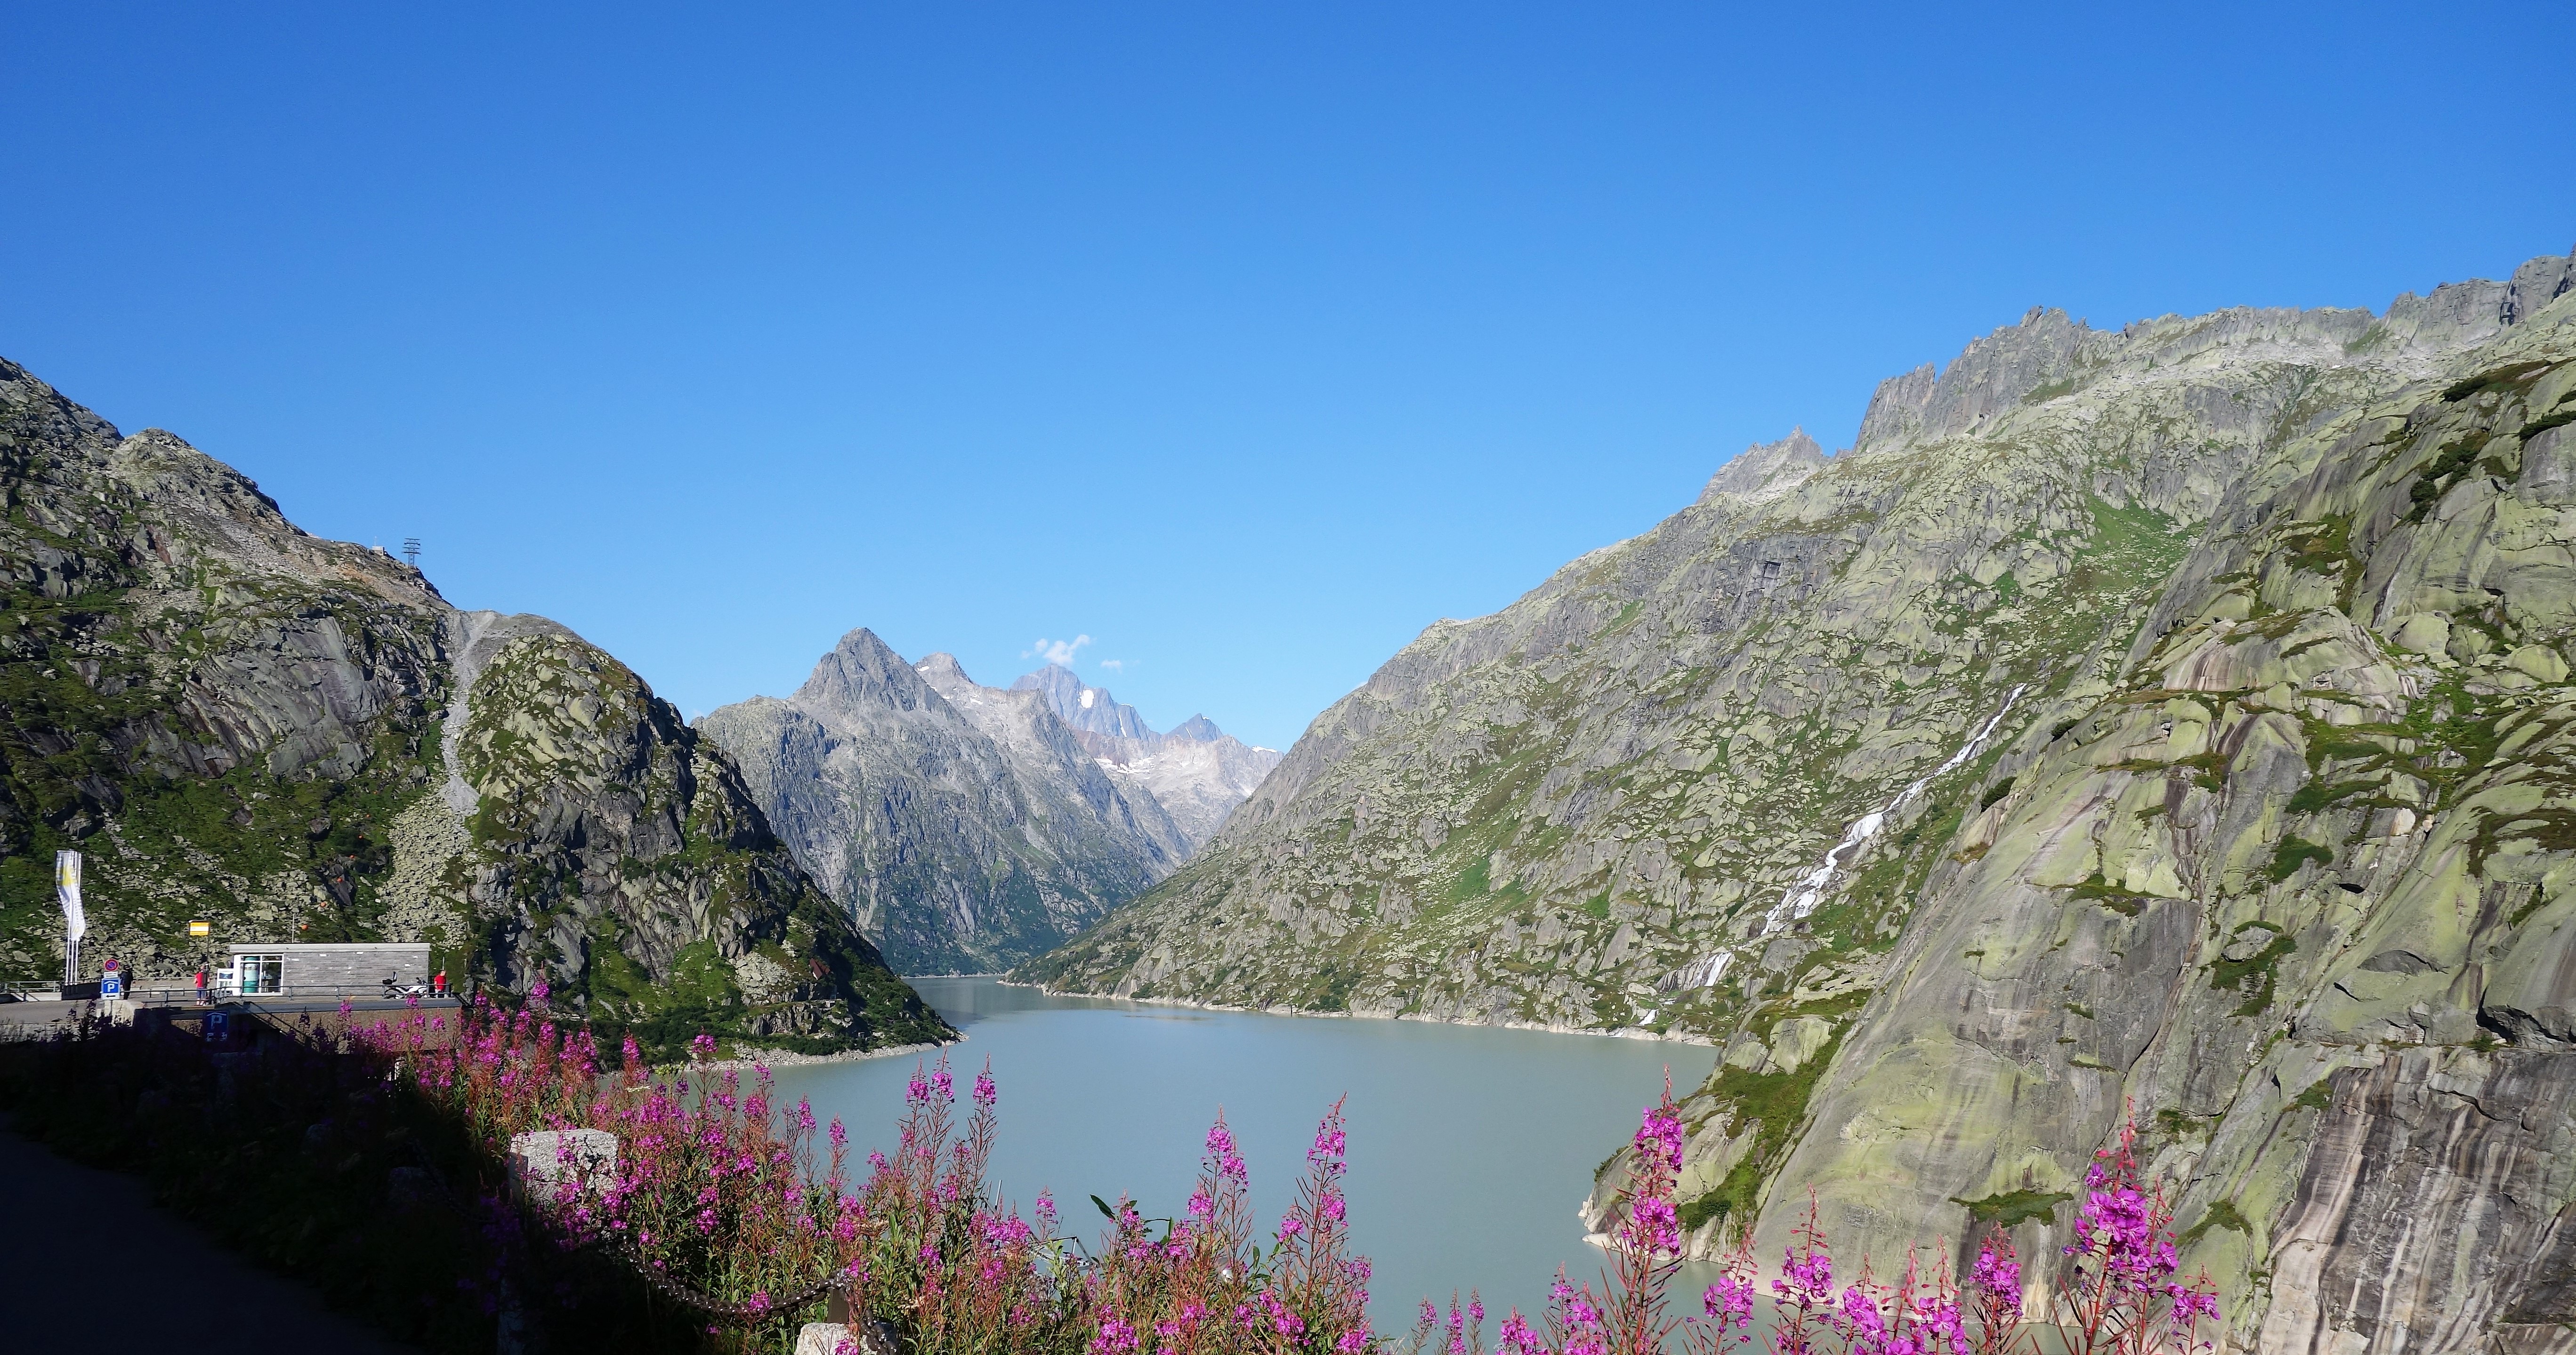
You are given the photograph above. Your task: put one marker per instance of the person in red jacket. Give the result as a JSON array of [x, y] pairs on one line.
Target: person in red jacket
[[438, 984], [201, 985]]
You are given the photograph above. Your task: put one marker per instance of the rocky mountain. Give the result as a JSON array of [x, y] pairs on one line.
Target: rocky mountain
[[966, 827], [299, 739], [1197, 772], [2173, 719]]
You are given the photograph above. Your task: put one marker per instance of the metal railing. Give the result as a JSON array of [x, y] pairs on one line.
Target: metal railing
[[289, 992]]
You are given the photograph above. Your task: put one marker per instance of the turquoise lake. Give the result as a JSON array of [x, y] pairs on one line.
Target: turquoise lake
[[1469, 1147]]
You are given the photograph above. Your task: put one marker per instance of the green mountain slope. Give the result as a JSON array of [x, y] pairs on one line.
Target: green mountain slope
[[298, 739], [2158, 717]]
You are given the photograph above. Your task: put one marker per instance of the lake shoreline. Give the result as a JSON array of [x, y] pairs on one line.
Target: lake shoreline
[[788, 1058], [1621, 1033]]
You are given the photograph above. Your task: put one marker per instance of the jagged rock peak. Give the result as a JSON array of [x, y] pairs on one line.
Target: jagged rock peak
[[1083, 706], [2047, 354], [942, 670], [966, 826], [1196, 729], [1992, 375], [863, 670], [1766, 468]]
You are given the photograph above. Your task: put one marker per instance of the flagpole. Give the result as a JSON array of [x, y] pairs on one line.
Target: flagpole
[[67, 891]]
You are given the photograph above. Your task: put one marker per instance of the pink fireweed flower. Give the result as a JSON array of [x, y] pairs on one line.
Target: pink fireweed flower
[[1659, 1140], [1730, 1302], [1807, 1280], [985, 1093], [1115, 1336], [1282, 1321], [1290, 1227], [1863, 1326], [1999, 1277], [1653, 1225]]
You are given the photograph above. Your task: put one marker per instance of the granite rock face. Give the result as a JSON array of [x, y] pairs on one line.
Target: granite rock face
[[1197, 772], [966, 827], [298, 739], [2174, 718]]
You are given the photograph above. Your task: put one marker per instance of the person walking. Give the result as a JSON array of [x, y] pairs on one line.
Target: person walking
[[438, 984]]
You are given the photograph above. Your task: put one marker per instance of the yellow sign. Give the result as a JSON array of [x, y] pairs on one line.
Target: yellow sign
[[201, 929]]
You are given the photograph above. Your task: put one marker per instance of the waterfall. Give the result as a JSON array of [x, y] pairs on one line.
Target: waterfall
[[1809, 889]]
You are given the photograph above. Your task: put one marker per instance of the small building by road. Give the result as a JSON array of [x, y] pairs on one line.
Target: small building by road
[[321, 969]]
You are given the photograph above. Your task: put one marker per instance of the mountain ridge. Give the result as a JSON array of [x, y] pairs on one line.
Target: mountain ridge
[[964, 825], [293, 738], [2290, 575], [1197, 771]]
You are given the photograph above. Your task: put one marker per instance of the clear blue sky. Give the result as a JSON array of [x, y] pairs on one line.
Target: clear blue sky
[[1244, 340]]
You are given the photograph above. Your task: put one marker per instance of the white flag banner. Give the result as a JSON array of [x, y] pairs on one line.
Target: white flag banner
[[67, 876]]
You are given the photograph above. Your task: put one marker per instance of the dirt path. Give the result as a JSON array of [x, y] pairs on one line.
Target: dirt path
[[95, 1265]]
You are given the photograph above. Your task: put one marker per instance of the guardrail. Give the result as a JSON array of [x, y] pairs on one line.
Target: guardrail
[[292, 992]]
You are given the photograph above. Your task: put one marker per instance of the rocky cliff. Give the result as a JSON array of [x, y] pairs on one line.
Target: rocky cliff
[[298, 739], [1198, 773], [966, 826], [2173, 719]]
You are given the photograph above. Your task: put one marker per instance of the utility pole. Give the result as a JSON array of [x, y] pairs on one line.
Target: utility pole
[[411, 552]]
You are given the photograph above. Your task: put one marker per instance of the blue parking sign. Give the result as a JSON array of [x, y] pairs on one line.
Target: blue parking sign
[[219, 1026]]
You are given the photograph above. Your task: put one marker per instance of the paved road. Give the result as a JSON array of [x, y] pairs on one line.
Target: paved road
[[92, 1262]]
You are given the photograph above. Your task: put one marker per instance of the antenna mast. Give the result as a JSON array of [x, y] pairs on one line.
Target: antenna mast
[[411, 552]]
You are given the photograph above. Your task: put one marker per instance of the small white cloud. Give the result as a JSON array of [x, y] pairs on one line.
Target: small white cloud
[[1114, 665], [1055, 651]]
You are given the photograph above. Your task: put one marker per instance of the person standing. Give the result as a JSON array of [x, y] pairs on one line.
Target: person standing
[[201, 985], [438, 984]]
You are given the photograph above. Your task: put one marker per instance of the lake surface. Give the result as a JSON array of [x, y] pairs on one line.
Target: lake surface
[[1469, 1147]]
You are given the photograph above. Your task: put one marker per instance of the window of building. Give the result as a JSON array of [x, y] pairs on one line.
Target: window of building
[[261, 973]]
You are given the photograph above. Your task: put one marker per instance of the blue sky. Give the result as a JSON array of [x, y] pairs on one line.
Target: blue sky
[[1244, 341]]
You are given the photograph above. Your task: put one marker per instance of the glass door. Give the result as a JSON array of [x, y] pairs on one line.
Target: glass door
[[261, 973]]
